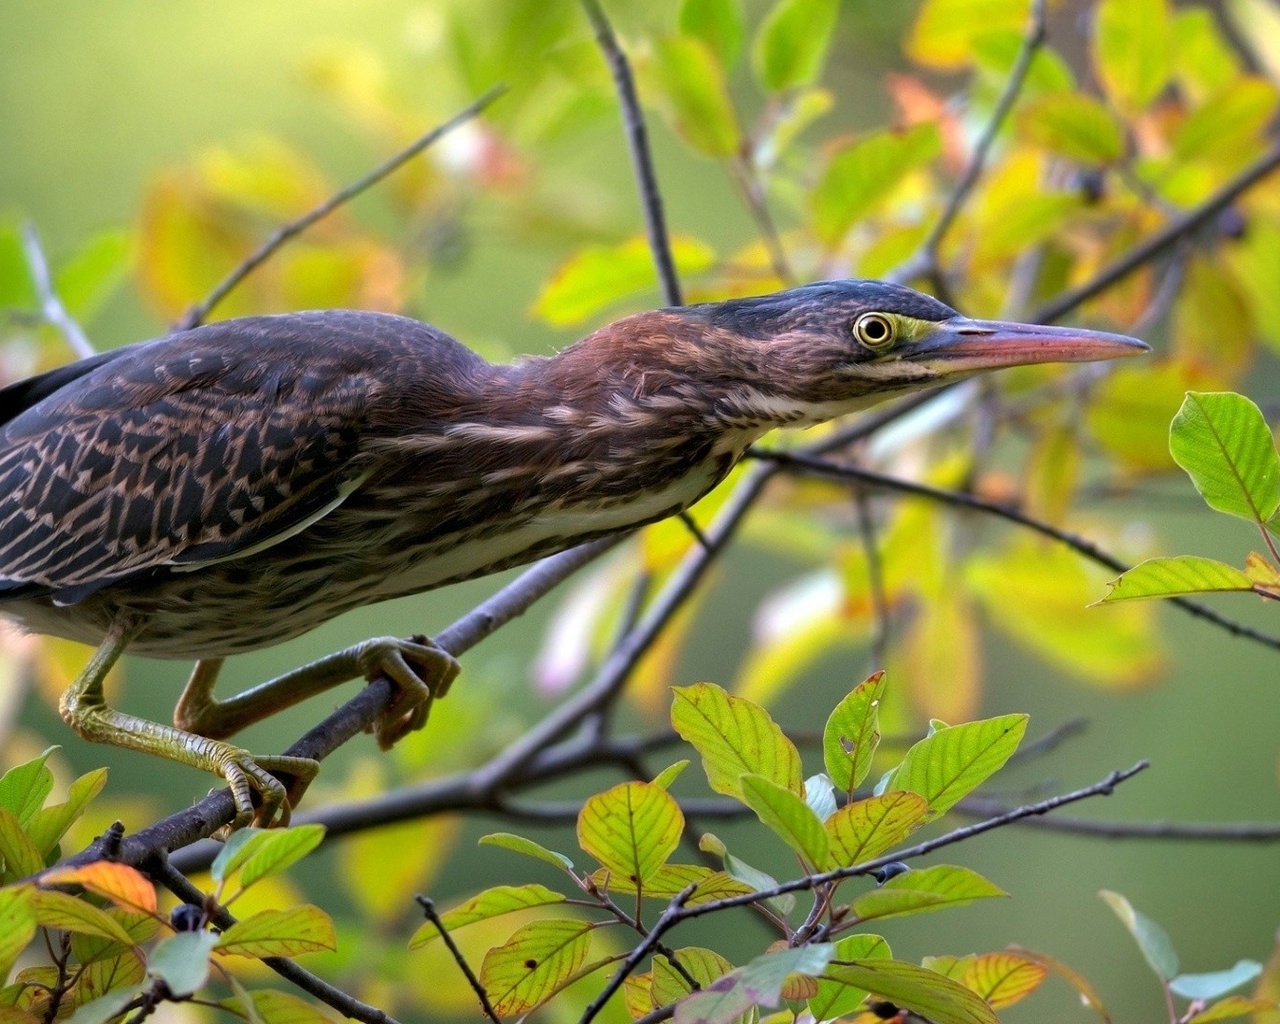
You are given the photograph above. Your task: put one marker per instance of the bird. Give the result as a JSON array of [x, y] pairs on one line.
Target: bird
[[231, 486]]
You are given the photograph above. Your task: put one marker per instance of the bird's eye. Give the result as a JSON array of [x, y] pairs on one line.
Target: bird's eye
[[875, 330]]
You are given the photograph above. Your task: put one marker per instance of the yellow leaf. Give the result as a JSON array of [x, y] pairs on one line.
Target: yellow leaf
[[631, 829], [534, 964], [735, 737], [304, 929], [1003, 979], [122, 885]]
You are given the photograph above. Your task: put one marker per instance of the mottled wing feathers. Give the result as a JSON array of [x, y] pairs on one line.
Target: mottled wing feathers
[[201, 446]]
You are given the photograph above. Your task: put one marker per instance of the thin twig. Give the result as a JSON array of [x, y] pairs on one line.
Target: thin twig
[[757, 203], [177, 883], [197, 313], [925, 262], [51, 307], [960, 499], [638, 145], [1195, 831], [429, 909]]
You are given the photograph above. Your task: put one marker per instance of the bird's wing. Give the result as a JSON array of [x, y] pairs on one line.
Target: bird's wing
[[202, 446]]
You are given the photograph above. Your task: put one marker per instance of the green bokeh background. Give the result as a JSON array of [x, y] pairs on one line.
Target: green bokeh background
[[95, 97]]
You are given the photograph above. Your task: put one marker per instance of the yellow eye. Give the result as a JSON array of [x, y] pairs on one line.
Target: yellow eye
[[875, 330]]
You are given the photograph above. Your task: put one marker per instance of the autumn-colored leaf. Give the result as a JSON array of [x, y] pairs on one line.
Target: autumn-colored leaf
[[124, 886]]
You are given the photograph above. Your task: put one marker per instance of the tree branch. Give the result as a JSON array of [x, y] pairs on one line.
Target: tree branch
[[429, 909], [51, 307]]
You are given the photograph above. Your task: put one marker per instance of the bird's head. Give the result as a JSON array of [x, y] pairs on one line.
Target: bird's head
[[835, 346]]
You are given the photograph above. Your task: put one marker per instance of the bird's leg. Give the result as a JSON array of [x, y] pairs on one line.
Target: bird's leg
[[85, 709], [418, 669]]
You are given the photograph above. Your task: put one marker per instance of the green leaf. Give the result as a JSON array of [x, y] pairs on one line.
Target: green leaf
[[788, 816], [752, 877], [54, 909], [957, 759], [1223, 442], [103, 976], [138, 926], [820, 795], [273, 1007], [289, 932], [836, 997], [104, 1008], [24, 787], [1229, 123], [704, 965], [861, 175], [533, 964], [17, 290], [946, 32], [631, 829], [1074, 125], [917, 891], [696, 96], [672, 879], [238, 848], [1204, 59], [1133, 50], [494, 902], [863, 830], [924, 992], [92, 273], [1235, 1006], [758, 983], [735, 737], [182, 960], [852, 734], [1153, 941], [1215, 983], [672, 772], [1003, 979], [791, 44], [718, 23], [519, 844], [279, 848], [19, 855], [17, 926], [49, 824], [1181, 574], [600, 275]]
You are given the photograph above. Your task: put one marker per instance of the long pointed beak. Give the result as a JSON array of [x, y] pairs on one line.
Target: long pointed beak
[[961, 345]]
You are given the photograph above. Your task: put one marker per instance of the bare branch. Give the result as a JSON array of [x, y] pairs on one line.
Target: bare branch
[[51, 307], [1195, 831], [197, 313], [429, 909], [641, 158], [959, 499]]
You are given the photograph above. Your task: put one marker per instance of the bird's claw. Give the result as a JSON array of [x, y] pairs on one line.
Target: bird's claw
[[420, 671], [246, 775]]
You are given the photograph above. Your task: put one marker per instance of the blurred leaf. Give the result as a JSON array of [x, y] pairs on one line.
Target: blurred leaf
[[796, 112], [1088, 994], [54, 909], [1133, 50], [780, 659], [758, 983], [1016, 208], [1213, 321], [852, 733], [864, 829], [1074, 125], [1230, 124], [1040, 594], [1052, 475], [939, 656], [631, 829], [264, 175], [49, 824], [494, 902], [274, 1007], [1215, 983], [1254, 260], [279, 849], [1153, 941], [924, 889], [1235, 1006], [945, 31], [787, 816], [1205, 61], [533, 964], [718, 23], [25, 787], [1182, 574], [1258, 25], [1131, 409], [95, 270], [695, 94], [599, 275], [104, 1008], [121, 884], [922, 991], [1003, 979], [182, 961], [1223, 442], [289, 932], [791, 44], [957, 759], [704, 965], [17, 926], [735, 737], [862, 174], [377, 878], [519, 844], [836, 997], [997, 52], [672, 879], [17, 290]]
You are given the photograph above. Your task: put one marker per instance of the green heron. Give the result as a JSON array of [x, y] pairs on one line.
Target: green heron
[[229, 487]]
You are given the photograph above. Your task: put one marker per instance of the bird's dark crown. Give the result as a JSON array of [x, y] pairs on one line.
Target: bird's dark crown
[[818, 307]]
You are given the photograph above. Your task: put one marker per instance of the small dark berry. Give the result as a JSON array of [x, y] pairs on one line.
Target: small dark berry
[[891, 870], [187, 917]]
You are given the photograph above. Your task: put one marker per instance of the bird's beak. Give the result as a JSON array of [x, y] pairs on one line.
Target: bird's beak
[[961, 345]]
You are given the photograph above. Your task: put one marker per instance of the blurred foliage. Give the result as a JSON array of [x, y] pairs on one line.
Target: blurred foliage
[[1102, 149]]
